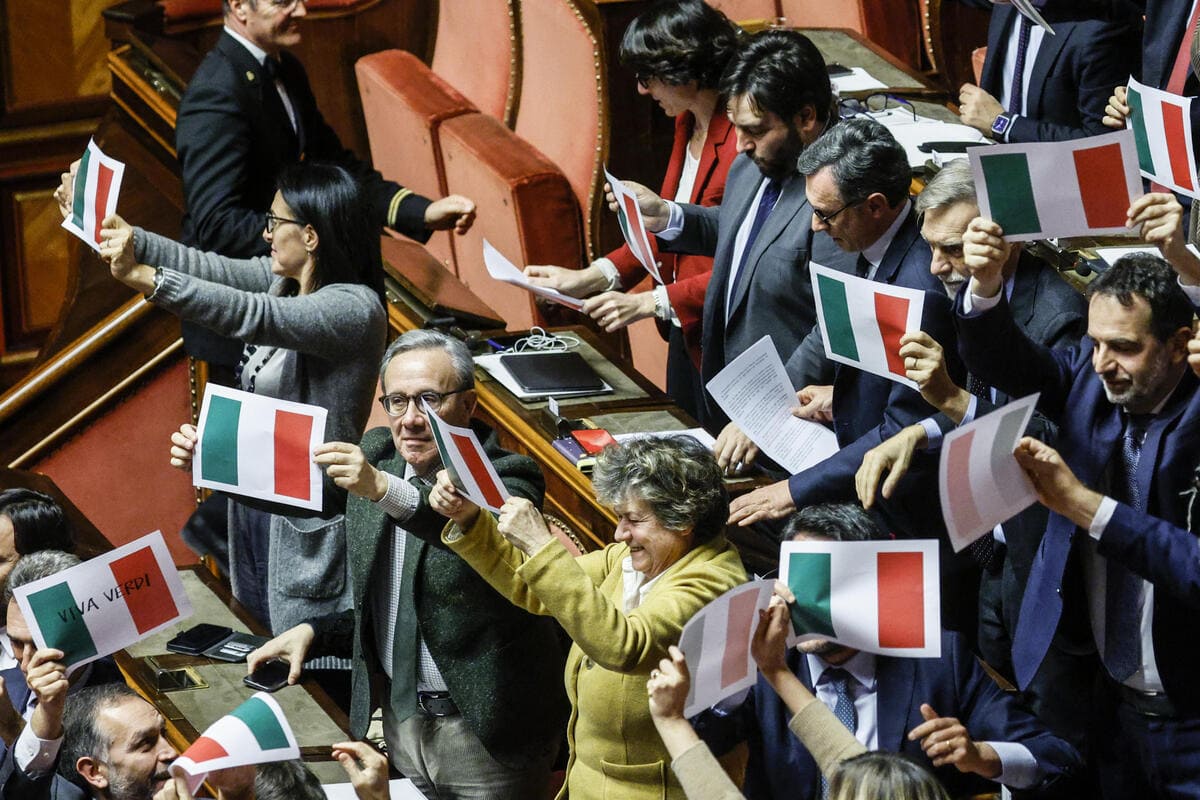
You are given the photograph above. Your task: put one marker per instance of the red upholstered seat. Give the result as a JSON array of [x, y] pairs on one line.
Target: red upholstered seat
[[747, 9], [476, 52], [978, 57], [404, 104], [527, 209]]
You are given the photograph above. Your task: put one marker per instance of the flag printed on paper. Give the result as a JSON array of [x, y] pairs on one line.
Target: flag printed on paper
[[629, 213], [470, 469], [107, 603], [1042, 190], [862, 320], [256, 732], [94, 195], [980, 482], [1162, 126], [716, 643], [877, 596], [259, 447]]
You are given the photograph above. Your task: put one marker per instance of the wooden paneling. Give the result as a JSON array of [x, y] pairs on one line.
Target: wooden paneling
[[40, 267]]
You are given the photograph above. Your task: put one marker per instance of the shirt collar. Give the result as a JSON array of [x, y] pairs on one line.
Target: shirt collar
[[259, 54], [861, 665], [876, 251]]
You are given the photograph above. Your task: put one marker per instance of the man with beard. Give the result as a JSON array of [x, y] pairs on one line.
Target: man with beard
[[945, 713], [779, 100], [1119, 551]]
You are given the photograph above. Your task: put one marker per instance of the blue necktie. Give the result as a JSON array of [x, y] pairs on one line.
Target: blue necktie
[[843, 707], [1123, 589], [1015, 106], [766, 203]]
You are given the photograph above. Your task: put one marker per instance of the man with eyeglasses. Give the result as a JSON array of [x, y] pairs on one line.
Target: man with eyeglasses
[[472, 693]]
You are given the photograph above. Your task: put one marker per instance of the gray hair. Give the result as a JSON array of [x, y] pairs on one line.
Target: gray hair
[[676, 476], [953, 184], [82, 737], [421, 339], [286, 780], [865, 158], [36, 566]]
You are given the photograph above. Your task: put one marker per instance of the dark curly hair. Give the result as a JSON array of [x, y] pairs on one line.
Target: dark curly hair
[[781, 72], [1153, 280], [680, 41], [865, 159]]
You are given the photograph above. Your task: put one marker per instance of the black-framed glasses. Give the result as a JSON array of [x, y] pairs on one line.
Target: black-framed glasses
[[273, 221], [396, 405], [876, 104], [828, 218]]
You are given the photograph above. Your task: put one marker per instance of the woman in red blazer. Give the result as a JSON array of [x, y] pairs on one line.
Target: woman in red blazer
[[678, 51]]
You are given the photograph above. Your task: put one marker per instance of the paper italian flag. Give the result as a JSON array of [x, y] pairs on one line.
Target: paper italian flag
[[94, 195], [716, 643], [878, 596], [469, 466], [259, 447], [1162, 126], [105, 604], [629, 213], [980, 482], [256, 732], [862, 320], [1042, 190]]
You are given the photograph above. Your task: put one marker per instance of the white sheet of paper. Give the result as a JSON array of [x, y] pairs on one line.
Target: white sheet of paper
[[980, 483], [398, 789], [699, 434], [914, 134], [859, 80], [1027, 9], [633, 226], [504, 270], [755, 392]]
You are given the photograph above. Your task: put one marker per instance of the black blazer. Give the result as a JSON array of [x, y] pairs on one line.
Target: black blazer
[[1073, 75]]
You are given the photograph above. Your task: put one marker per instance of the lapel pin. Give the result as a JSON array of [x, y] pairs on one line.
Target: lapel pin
[[249, 75]]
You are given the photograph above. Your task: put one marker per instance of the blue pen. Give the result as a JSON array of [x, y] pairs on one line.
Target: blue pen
[[496, 345]]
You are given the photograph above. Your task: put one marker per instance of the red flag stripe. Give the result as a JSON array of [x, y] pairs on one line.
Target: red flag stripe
[[1176, 135], [631, 221], [891, 313], [958, 469], [741, 609], [475, 465], [1101, 175], [205, 749], [292, 434], [104, 179], [901, 579], [144, 589]]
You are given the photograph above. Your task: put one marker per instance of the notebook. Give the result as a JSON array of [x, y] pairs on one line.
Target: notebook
[[551, 373]]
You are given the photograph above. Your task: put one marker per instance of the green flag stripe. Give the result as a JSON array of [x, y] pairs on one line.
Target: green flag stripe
[[810, 580], [263, 723], [1137, 115], [79, 200], [1010, 192], [219, 448], [61, 623], [838, 329]]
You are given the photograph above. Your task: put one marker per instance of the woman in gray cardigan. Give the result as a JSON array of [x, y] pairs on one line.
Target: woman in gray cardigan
[[314, 326]]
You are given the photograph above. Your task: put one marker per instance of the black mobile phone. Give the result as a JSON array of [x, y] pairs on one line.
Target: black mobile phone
[[197, 639], [270, 677], [836, 70]]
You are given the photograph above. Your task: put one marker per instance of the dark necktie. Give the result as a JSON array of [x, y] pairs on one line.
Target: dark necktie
[[1123, 589], [843, 707], [766, 203], [977, 387], [1015, 104], [271, 68], [983, 550], [862, 267]]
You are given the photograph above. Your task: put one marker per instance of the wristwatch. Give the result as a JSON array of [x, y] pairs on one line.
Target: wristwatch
[[1001, 125]]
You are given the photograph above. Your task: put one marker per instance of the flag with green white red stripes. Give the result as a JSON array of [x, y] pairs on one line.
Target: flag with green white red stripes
[[1162, 125], [1042, 190], [94, 194], [468, 464], [256, 732]]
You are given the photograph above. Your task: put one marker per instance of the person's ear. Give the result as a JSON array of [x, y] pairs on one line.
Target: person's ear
[[876, 204], [805, 121], [311, 240], [239, 9], [470, 398], [93, 771], [1178, 344]]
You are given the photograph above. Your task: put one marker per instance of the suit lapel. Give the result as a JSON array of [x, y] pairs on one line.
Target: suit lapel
[[1024, 293], [998, 33], [898, 249], [791, 200], [741, 192], [719, 131], [895, 682], [1047, 54], [1152, 445]]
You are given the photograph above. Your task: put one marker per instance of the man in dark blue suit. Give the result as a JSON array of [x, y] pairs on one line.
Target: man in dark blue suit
[[1039, 87], [1119, 550], [945, 713]]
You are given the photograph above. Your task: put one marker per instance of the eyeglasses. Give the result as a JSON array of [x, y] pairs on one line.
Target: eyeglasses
[[879, 104], [273, 222], [396, 405], [828, 218]]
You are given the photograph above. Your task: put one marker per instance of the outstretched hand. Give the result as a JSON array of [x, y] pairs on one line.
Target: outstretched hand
[[891, 459], [945, 740], [452, 211], [445, 499]]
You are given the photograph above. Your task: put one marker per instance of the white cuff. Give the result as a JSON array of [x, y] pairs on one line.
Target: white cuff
[[662, 306], [972, 410], [35, 757], [974, 305], [1018, 767], [1103, 515], [609, 270], [933, 434], [1192, 292], [674, 223], [401, 499]]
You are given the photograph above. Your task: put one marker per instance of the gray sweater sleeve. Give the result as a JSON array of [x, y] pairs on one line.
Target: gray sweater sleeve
[[250, 274]]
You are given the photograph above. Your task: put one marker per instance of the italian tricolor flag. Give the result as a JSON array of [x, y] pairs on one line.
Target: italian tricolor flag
[[878, 596], [469, 466], [1162, 126], [716, 643], [862, 320], [1042, 190], [629, 214], [105, 604], [980, 482], [256, 732], [259, 447], [94, 195]]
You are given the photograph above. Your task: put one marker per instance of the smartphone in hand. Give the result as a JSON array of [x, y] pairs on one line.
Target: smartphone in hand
[[270, 677]]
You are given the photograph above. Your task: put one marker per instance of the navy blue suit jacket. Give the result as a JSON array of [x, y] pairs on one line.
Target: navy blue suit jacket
[[1159, 544], [1073, 74], [954, 685]]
